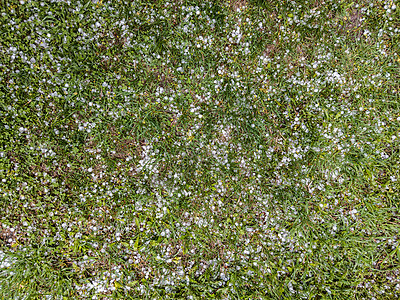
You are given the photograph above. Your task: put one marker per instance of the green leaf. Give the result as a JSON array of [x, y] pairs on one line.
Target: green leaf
[[136, 245], [137, 223]]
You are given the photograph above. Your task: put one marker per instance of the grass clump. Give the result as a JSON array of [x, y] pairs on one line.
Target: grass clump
[[199, 149]]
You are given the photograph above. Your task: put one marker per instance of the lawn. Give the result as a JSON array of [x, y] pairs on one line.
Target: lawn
[[199, 149]]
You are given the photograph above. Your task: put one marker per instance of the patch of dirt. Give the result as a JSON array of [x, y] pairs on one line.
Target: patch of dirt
[[235, 4], [352, 24], [6, 235]]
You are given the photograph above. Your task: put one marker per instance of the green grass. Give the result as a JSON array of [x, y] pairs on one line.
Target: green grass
[[199, 149]]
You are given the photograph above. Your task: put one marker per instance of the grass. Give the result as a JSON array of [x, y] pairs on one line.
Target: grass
[[199, 149]]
